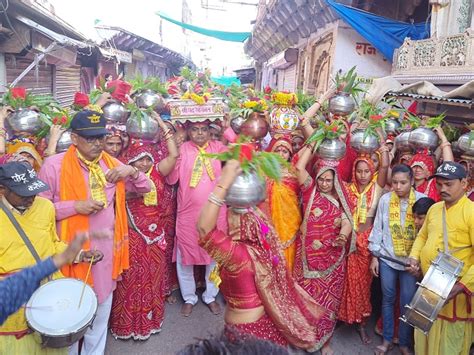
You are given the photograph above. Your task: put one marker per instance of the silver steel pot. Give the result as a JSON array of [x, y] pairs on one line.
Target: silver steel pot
[[145, 127], [25, 120], [332, 149], [248, 190], [402, 142], [366, 145], [236, 123], [341, 104], [465, 145], [423, 138], [149, 98], [392, 126], [64, 141], [115, 112]]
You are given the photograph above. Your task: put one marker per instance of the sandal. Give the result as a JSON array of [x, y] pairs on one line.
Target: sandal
[[405, 350], [381, 349], [364, 337]]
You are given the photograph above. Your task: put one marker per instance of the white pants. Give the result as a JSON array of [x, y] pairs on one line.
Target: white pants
[[187, 284], [95, 337]]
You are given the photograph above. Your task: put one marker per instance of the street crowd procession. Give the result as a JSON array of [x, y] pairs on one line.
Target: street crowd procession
[[287, 204], [237, 177]]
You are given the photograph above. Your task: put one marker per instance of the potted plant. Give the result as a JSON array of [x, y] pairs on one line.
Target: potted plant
[[149, 92], [423, 137], [140, 124], [327, 138], [348, 86], [253, 111], [249, 188], [31, 114]]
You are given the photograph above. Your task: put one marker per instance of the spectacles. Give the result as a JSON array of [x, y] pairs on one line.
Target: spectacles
[[94, 139], [325, 181]]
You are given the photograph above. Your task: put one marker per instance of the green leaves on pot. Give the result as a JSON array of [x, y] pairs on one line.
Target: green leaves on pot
[[264, 164], [151, 83], [434, 122], [348, 82], [326, 131]]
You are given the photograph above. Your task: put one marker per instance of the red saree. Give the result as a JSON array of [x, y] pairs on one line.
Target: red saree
[[355, 305], [254, 274], [320, 267], [138, 302]]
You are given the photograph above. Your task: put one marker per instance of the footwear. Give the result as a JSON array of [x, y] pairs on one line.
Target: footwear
[[215, 308], [364, 337], [187, 309], [383, 349], [405, 350]]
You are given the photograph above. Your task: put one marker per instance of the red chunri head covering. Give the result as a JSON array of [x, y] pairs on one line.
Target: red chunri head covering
[[423, 160], [280, 141], [137, 151]]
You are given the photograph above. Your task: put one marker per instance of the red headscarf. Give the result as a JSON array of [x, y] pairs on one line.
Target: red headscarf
[[280, 141], [425, 161]]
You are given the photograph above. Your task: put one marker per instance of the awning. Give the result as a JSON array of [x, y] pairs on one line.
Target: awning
[[59, 38], [122, 56]]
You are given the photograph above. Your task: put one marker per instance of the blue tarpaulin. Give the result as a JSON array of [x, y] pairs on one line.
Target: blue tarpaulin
[[222, 35], [383, 33], [227, 80]]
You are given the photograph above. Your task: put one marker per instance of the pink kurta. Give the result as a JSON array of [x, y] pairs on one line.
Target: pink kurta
[[191, 201], [103, 220]]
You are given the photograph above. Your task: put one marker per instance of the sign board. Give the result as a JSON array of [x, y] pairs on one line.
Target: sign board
[[189, 111]]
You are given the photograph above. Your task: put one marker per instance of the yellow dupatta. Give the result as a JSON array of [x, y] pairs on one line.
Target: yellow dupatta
[[200, 163], [402, 237]]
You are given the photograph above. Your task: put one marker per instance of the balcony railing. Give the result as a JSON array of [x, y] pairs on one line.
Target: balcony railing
[[448, 60]]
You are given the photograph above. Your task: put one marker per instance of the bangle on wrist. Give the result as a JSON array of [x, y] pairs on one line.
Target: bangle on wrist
[[215, 200], [222, 187]]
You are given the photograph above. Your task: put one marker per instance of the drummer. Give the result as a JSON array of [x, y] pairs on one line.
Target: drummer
[[19, 187], [452, 332]]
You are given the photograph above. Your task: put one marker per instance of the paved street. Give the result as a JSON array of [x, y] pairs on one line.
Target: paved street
[[179, 331]]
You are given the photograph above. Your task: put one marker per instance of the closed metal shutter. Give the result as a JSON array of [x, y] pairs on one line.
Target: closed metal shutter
[[67, 82], [289, 81], [39, 80]]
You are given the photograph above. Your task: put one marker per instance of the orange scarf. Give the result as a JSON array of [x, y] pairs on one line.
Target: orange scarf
[[73, 187]]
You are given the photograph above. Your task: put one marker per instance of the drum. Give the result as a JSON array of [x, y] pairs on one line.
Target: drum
[[54, 314], [432, 292]]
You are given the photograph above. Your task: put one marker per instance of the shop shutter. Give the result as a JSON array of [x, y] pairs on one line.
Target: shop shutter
[[38, 80], [67, 82], [289, 81]]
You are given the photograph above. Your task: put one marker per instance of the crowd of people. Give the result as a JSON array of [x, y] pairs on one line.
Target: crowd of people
[[289, 269]]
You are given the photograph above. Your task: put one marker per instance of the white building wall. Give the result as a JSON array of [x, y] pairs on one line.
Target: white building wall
[[352, 49]]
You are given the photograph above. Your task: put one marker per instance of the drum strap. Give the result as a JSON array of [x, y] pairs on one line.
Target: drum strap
[[20, 231], [445, 232], [445, 236]]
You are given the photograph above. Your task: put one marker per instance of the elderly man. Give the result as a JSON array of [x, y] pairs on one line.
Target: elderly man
[[88, 191], [197, 176], [34, 239], [452, 332]]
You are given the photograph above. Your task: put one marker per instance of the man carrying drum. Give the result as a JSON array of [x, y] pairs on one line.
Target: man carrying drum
[[88, 191], [36, 221], [452, 332]]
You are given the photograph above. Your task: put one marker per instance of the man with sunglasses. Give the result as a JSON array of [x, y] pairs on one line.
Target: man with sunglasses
[[88, 191]]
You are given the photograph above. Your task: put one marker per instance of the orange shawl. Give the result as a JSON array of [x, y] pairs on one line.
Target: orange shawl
[[73, 187]]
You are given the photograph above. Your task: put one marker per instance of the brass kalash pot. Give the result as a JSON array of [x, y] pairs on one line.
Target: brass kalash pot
[[256, 126]]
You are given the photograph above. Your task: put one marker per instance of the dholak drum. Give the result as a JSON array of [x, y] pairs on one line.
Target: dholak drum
[[432, 292], [54, 314]]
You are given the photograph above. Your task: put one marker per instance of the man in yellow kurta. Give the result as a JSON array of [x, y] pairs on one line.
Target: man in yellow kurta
[[19, 186], [452, 332]]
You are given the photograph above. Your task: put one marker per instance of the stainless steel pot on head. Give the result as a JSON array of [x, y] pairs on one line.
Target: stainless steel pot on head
[[248, 190]]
